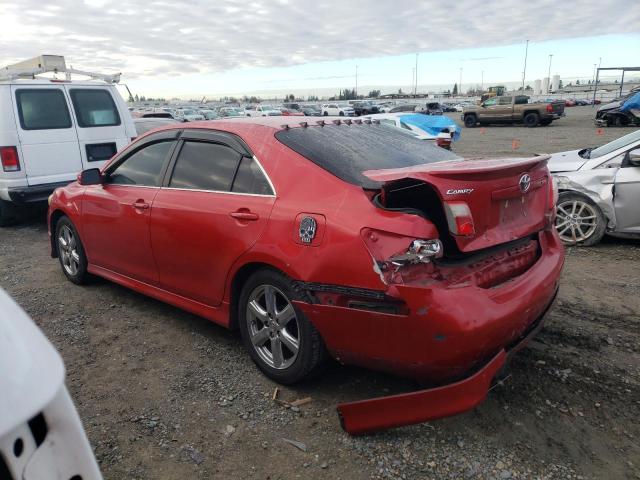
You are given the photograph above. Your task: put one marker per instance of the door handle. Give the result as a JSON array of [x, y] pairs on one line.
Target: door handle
[[245, 215], [141, 204]]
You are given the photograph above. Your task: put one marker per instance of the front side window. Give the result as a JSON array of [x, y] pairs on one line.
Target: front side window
[[490, 102], [205, 166], [143, 167], [42, 109], [94, 108], [250, 179]]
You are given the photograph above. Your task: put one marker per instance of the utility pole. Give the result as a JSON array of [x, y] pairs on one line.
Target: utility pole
[[524, 71], [460, 83], [356, 82], [415, 90], [549, 74], [413, 78], [482, 81]]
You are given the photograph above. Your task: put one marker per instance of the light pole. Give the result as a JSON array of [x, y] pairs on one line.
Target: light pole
[[482, 81], [460, 83], [524, 71], [549, 74], [415, 90], [413, 77], [356, 82]]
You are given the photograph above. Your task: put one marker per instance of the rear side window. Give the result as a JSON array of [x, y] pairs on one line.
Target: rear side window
[[94, 108], [42, 109], [144, 167], [205, 166], [250, 179]]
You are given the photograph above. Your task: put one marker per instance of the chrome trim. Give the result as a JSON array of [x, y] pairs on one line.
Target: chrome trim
[[273, 189], [218, 191]]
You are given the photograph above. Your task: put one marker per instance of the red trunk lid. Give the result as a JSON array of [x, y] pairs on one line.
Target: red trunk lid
[[502, 206]]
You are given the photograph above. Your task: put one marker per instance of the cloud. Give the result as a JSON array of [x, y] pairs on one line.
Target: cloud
[[162, 37]]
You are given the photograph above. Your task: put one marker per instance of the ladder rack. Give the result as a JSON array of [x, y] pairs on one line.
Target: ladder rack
[[50, 64]]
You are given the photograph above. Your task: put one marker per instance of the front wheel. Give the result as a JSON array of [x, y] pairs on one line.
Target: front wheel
[[71, 252], [280, 339], [326, 114], [579, 221]]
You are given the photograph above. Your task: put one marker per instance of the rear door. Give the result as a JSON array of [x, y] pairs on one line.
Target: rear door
[[48, 140], [100, 125], [213, 207], [627, 198]]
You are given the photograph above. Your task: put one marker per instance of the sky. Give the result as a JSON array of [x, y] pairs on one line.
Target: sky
[[192, 48]]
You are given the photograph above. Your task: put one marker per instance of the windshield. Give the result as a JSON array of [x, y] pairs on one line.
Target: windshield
[[266, 107], [615, 145]]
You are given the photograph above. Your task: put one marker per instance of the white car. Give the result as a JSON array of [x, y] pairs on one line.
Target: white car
[[189, 115], [338, 109], [441, 139], [51, 130], [40, 432], [262, 111]]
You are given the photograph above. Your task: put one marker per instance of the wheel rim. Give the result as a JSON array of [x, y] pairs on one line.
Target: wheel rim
[[576, 221], [68, 250], [273, 327]]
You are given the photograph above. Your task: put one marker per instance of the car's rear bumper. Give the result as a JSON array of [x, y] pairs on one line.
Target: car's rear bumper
[[366, 416], [34, 193]]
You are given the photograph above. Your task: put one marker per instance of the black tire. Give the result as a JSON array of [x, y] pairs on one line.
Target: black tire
[[8, 214], [546, 122], [326, 114], [311, 353], [601, 221], [470, 121], [77, 274], [531, 119], [341, 114]]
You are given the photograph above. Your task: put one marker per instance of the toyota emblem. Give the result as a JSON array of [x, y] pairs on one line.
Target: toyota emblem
[[525, 183]]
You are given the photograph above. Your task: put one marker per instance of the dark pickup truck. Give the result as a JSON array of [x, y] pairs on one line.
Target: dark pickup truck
[[513, 109]]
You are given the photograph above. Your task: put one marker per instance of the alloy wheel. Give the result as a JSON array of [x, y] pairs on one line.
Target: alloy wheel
[[273, 327], [67, 250], [576, 221]]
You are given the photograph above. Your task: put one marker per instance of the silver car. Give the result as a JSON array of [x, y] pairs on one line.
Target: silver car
[[599, 191]]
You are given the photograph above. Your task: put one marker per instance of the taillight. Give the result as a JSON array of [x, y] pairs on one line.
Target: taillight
[[549, 108], [9, 158], [459, 218], [443, 142], [552, 200]]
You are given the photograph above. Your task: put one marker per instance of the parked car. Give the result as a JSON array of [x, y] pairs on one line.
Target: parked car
[[364, 107], [338, 109], [513, 109], [292, 106], [599, 191], [291, 113], [569, 102], [621, 112], [432, 108], [40, 431], [209, 114], [189, 115], [404, 107], [262, 111], [332, 265], [439, 130], [230, 112], [143, 125], [51, 130], [311, 110], [155, 115]]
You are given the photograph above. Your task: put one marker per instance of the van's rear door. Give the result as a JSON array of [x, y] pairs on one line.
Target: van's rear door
[[101, 125], [48, 147]]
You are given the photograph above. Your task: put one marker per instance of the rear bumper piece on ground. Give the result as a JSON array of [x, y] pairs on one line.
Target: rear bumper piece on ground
[[35, 193], [366, 416]]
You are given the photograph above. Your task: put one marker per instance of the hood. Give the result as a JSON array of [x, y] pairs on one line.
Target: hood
[[609, 106], [569, 161], [36, 370]]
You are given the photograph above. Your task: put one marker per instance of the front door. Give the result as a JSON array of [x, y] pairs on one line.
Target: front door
[[213, 209], [627, 198], [49, 150], [115, 225]]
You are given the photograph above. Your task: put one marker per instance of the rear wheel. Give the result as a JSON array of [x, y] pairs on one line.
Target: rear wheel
[[280, 339], [8, 215], [470, 121], [531, 119], [71, 252], [326, 114], [341, 114], [579, 221]]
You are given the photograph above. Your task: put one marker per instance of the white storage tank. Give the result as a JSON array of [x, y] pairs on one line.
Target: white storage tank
[[545, 85], [537, 87]]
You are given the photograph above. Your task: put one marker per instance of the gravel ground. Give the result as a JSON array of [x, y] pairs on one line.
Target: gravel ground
[[166, 395]]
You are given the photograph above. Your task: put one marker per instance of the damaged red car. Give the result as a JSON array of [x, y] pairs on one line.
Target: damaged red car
[[336, 237]]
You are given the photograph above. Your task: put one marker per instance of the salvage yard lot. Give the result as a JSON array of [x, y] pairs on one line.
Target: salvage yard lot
[[164, 394]]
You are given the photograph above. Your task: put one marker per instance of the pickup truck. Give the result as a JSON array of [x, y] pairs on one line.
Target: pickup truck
[[512, 109]]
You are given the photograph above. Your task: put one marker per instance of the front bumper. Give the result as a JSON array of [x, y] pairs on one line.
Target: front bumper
[[366, 416]]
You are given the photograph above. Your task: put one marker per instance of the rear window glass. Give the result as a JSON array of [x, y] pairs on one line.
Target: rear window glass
[[94, 108], [205, 166], [42, 109], [347, 151], [250, 179]]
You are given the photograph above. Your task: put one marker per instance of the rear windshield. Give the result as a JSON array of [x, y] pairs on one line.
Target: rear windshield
[[348, 150]]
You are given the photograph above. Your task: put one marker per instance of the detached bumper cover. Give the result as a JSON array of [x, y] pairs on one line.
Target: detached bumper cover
[[366, 416]]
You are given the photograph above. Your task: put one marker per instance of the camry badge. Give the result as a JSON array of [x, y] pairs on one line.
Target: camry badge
[[525, 183], [307, 230], [459, 191]]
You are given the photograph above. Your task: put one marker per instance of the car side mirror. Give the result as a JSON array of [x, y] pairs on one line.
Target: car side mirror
[[91, 176], [634, 157]]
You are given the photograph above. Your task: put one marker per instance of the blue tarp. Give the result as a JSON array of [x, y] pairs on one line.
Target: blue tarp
[[433, 124], [633, 102]]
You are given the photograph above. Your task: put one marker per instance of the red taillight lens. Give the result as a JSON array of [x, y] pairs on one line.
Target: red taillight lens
[[9, 158], [459, 218], [443, 142], [552, 200], [549, 108]]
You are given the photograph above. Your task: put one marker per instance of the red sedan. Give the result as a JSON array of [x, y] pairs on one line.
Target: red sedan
[[340, 238]]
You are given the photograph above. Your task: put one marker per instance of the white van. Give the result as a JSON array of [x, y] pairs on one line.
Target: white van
[[51, 129]]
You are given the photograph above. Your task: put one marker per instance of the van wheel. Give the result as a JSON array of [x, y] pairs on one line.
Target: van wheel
[[579, 221], [280, 339], [470, 121], [71, 252], [531, 119], [8, 214]]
